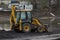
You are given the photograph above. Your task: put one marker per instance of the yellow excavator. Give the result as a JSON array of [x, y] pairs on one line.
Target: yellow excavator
[[22, 20]]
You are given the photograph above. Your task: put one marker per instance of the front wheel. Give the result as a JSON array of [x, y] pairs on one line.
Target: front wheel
[[41, 29]]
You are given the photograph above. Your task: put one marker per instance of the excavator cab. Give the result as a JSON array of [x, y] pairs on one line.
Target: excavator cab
[[25, 16], [20, 19]]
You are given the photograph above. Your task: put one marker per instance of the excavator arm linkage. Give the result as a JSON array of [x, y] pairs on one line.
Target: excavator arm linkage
[[39, 24]]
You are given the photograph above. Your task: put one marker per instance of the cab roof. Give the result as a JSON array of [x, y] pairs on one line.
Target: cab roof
[[24, 10]]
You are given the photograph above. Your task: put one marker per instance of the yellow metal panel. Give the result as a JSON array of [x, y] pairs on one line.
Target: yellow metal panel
[[20, 27], [12, 15], [36, 22]]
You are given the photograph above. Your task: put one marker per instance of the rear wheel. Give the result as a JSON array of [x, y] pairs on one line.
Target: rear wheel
[[26, 27]]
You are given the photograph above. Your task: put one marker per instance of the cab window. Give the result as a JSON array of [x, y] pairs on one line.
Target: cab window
[[29, 14], [17, 16], [23, 15]]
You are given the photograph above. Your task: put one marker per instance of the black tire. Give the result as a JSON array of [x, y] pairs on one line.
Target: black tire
[[26, 27], [41, 29]]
